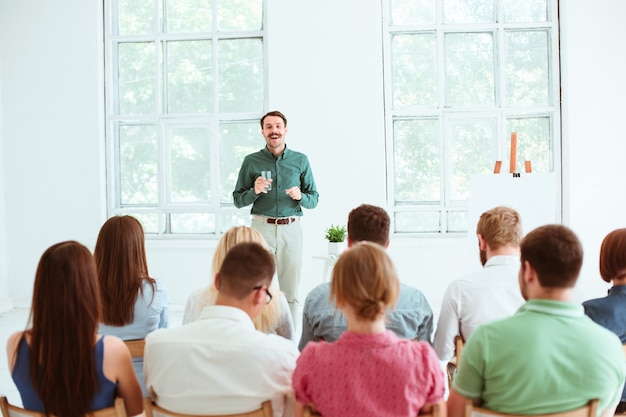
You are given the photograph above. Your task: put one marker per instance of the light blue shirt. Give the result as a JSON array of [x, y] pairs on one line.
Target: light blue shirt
[[412, 318], [150, 314]]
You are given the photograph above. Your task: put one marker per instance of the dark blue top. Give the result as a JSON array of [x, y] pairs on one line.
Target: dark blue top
[[610, 313], [105, 396]]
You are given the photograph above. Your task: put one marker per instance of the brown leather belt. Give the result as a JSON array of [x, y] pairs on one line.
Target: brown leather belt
[[275, 220], [282, 220]]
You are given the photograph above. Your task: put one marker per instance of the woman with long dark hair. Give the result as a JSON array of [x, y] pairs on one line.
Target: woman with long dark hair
[[133, 303], [61, 365]]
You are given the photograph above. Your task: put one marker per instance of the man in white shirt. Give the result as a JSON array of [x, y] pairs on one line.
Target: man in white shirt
[[489, 294], [221, 364]]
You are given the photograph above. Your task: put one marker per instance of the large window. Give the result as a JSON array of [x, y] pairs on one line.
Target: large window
[[185, 90], [460, 77]]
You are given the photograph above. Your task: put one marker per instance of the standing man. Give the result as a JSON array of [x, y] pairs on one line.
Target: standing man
[[488, 294], [548, 357], [277, 203]]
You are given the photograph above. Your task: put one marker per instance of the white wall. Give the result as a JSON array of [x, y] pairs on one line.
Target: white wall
[[5, 303], [594, 65], [50, 55], [325, 74]]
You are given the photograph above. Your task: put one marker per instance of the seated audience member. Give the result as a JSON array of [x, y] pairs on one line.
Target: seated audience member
[[60, 365], [221, 364], [369, 370], [548, 357], [275, 317], [610, 311], [133, 303], [412, 317], [490, 293]]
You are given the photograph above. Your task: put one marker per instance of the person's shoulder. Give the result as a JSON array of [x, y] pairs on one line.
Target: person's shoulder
[[289, 152], [160, 286], [595, 302], [410, 290], [14, 340], [114, 346], [320, 290], [167, 334], [254, 155], [320, 295], [273, 344]]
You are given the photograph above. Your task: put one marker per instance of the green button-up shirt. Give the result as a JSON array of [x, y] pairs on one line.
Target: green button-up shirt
[[289, 169]]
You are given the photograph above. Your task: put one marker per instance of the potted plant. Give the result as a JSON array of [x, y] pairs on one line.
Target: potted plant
[[336, 236]]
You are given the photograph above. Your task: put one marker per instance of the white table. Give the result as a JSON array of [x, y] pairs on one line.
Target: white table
[[329, 262]]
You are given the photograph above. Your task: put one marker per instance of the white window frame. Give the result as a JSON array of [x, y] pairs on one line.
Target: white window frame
[[164, 209], [443, 114]]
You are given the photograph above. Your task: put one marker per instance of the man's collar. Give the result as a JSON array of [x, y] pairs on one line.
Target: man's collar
[[553, 307], [283, 154], [228, 313], [503, 260]]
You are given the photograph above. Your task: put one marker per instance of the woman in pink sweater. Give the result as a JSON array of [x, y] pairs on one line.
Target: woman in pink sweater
[[368, 371]]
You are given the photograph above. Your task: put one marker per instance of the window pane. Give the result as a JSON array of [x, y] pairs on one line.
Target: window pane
[[474, 145], [457, 221], [408, 12], [189, 16], [241, 75], [418, 222], [149, 221], [237, 140], [192, 222], [469, 11], [417, 168], [525, 11], [135, 16], [138, 164], [190, 164], [414, 70], [189, 77], [232, 219], [527, 69], [469, 69], [137, 78], [240, 14], [533, 143]]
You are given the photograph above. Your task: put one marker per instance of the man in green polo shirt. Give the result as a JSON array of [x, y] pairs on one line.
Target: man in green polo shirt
[[277, 202], [549, 357]]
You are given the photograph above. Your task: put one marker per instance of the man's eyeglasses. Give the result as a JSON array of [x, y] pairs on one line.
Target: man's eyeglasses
[[267, 291]]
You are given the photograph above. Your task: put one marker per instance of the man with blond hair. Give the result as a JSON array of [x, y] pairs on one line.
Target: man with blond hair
[[489, 294]]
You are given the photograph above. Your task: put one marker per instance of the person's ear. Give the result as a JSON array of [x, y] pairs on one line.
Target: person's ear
[[350, 242], [216, 281], [259, 296], [482, 243], [528, 273]]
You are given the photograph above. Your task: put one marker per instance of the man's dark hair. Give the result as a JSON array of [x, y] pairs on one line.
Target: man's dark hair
[[274, 113], [369, 223], [245, 266], [555, 253]]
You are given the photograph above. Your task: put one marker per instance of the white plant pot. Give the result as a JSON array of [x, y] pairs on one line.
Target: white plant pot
[[335, 248]]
